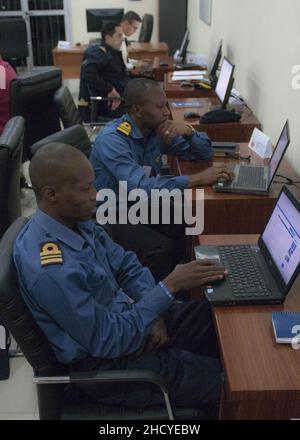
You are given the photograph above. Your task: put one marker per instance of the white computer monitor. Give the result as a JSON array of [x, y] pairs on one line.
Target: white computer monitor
[[225, 82]]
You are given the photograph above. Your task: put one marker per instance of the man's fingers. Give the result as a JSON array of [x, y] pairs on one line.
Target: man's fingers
[[210, 279]]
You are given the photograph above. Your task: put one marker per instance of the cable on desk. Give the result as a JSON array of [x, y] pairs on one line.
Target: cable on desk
[[289, 181], [244, 104]]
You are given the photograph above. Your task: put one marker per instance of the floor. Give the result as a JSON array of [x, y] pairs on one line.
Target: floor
[[18, 400]]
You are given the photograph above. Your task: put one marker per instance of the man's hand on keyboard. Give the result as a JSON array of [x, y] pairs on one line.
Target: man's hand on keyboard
[[194, 274]]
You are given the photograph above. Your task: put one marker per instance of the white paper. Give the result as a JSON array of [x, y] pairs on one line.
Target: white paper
[[187, 78], [261, 144], [180, 73], [64, 45]]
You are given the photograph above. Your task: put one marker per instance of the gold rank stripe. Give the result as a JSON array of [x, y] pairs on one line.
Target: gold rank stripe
[[50, 261], [48, 257]]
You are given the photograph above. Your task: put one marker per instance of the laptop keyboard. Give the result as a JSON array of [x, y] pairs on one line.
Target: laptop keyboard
[[244, 276], [250, 177]]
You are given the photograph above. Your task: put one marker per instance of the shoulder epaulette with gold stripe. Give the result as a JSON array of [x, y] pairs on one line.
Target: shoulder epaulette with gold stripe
[[125, 128], [51, 254]]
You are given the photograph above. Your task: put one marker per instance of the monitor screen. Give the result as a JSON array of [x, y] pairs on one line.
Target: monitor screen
[[217, 60], [96, 18], [282, 237], [184, 45], [224, 84], [279, 150]]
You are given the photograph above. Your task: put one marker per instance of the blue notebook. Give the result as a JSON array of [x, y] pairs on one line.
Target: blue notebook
[[286, 326]]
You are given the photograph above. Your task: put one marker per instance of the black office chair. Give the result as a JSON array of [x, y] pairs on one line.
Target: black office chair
[[13, 39], [11, 146], [54, 381], [76, 136], [146, 29], [70, 116], [67, 109], [32, 98]]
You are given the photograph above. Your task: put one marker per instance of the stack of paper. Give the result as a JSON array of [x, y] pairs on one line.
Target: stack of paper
[[188, 75]]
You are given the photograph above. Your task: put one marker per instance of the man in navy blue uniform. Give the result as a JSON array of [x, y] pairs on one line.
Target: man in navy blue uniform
[[98, 306], [131, 149], [103, 73]]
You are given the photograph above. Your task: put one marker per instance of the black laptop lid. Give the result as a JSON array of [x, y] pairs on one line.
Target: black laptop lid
[[280, 241], [279, 152]]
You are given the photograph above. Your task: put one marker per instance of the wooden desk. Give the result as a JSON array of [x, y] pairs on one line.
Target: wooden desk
[[170, 65], [147, 50], [69, 61], [175, 91], [237, 213], [230, 131], [262, 377]]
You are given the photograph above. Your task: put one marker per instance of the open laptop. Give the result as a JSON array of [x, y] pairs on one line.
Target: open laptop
[[262, 273], [253, 179]]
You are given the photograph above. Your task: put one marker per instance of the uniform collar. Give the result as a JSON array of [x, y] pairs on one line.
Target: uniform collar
[[61, 232], [136, 133], [110, 48]]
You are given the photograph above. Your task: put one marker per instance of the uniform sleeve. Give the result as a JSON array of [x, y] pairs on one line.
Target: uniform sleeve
[[95, 81], [198, 147], [135, 279], [114, 152], [65, 296]]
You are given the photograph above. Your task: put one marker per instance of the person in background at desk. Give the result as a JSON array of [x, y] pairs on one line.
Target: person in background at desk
[[130, 149], [7, 74], [99, 307], [103, 73], [130, 24]]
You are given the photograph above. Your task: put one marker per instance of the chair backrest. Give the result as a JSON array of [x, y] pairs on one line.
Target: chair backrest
[[75, 136], [15, 314], [11, 147], [146, 29], [32, 98], [67, 109], [13, 38]]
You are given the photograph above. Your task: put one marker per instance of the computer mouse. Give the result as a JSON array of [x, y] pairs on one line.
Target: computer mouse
[[186, 84], [191, 115]]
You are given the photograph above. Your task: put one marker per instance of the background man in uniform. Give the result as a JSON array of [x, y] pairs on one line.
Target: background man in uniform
[[103, 73], [130, 149], [98, 307]]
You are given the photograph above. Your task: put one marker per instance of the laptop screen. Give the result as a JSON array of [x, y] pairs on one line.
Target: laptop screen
[[224, 79], [282, 144], [282, 237]]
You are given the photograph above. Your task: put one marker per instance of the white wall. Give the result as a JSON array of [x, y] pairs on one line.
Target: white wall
[[78, 17], [261, 37]]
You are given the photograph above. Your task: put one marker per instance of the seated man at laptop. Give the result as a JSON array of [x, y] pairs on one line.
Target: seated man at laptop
[[99, 307], [130, 149], [103, 73]]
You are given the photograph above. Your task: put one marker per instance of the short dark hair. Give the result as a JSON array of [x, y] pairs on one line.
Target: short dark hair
[[137, 91], [109, 29], [131, 16]]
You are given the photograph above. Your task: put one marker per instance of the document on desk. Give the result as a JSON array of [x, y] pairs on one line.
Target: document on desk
[[188, 75]]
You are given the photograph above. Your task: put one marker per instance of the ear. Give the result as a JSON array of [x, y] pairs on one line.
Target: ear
[[138, 111], [49, 193]]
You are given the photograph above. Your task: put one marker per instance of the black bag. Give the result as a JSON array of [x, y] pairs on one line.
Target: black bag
[[4, 352]]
